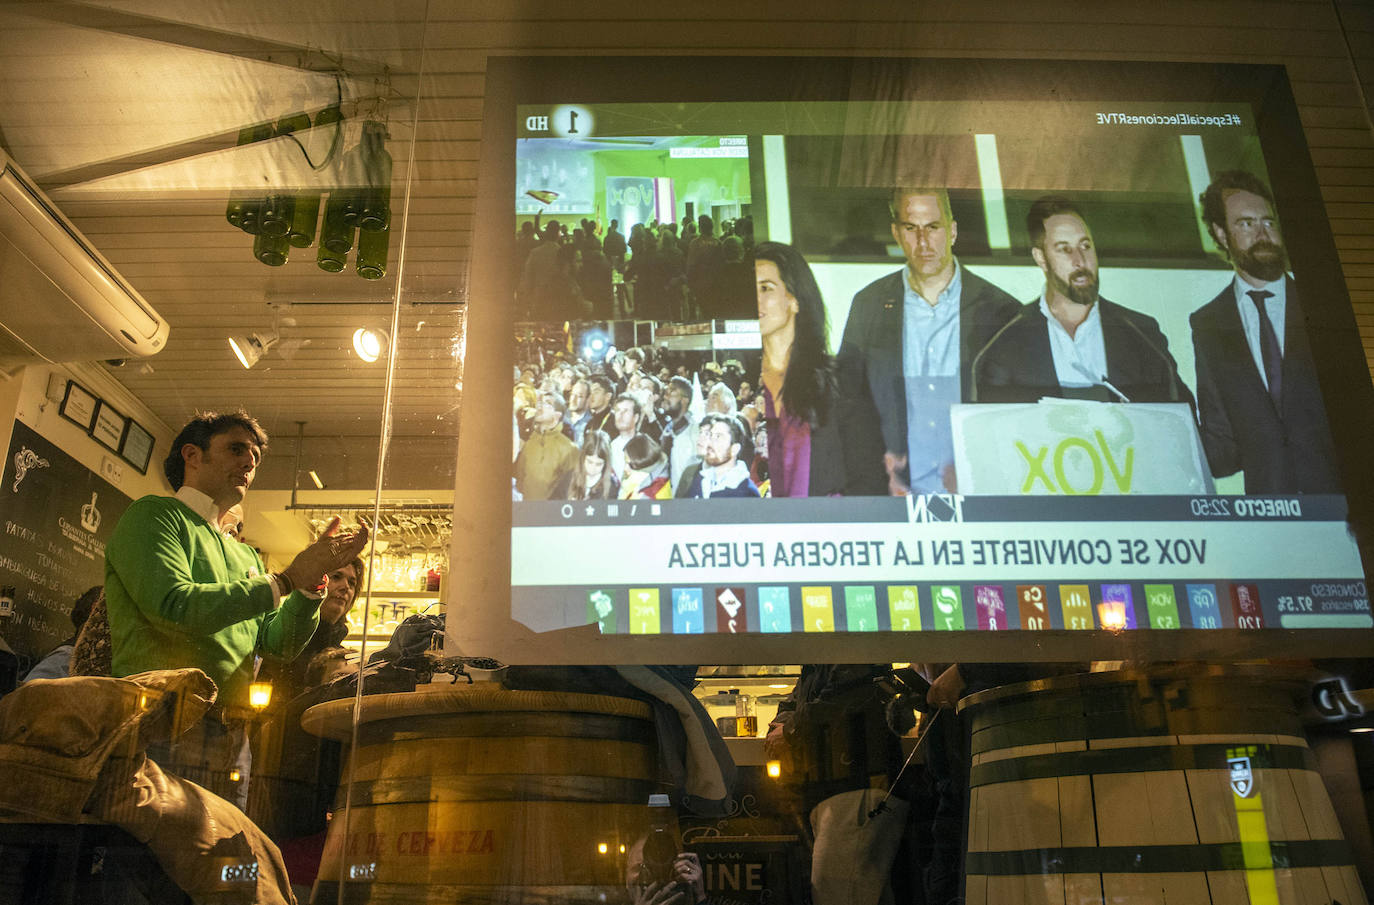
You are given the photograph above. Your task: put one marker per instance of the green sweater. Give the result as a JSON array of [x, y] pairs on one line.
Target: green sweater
[[181, 594]]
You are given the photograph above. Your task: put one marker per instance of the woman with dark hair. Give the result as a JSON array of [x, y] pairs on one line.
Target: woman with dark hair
[[289, 678], [646, 471], [797, 385], [593, 478]]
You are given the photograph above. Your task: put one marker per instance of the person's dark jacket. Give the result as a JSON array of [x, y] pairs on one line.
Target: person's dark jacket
[[871, 383], [1017, 365]]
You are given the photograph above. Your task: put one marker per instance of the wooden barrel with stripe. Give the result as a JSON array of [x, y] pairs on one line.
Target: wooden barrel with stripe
[[1170, 785], [476, 794]]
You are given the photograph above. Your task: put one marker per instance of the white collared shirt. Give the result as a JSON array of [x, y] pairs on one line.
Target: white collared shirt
[[201, 504], [1079, 360], [1275, 306]]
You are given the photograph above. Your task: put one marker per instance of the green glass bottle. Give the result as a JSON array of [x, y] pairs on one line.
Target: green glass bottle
[[336, 234], [372, 249], [307, 214], [304, 220], [279, 211], [240, 201], [271, 250], [375, 211], [329, 261], [354, 168], [252, 216]]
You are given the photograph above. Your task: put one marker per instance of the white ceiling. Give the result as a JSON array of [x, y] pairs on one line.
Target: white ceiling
[[128, 113]]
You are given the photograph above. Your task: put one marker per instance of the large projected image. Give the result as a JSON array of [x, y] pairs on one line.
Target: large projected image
[[830, 367]]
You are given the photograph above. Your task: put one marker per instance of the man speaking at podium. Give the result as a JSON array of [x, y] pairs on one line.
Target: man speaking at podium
[[1072, 342], [1258, 398]]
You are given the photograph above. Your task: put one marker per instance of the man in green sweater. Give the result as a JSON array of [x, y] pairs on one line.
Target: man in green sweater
[[182, 594]]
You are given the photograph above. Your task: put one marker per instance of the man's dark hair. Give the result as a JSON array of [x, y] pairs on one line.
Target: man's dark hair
[[683, 385], [1042, 210], [704, 225], [737, 432], [636, 353], [653, 382], [626, 397], [203, 427], [1214, 199], [602, 381]]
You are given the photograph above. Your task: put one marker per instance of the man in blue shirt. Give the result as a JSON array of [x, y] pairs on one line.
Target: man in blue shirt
[[906, 353]]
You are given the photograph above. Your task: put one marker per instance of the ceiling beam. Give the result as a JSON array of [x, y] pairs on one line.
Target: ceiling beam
[[180, 34]]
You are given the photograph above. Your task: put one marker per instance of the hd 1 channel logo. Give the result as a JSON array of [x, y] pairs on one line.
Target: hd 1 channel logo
[[564, 121]]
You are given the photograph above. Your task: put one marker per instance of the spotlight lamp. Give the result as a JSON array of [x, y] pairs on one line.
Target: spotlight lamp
[[370, 343], [250, 347]]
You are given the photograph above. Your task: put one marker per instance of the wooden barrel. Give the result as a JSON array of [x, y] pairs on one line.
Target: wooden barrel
[[1170, 785], [476, 794]]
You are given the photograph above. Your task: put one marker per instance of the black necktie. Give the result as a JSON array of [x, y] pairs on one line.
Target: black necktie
[[1269, 346]]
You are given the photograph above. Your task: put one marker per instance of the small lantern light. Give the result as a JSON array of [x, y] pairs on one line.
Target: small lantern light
[[774, 769], [260, 695]]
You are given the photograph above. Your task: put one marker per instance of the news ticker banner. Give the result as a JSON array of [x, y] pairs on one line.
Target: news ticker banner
[[937, 563]]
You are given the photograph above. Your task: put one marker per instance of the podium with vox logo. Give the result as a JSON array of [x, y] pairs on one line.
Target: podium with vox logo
[[1072, 447]]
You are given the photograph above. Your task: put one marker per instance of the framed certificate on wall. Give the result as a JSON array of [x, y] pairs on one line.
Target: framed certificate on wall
[[108, 428], [78, 405], [137, 446]]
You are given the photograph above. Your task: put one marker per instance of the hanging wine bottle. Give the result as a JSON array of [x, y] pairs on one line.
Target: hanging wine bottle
[[241, 202], [271, 250], [337, 234], [375, 213], [354, 169], [329, 261], [307, 213], [279, 210], [372, 249], [304, 219]]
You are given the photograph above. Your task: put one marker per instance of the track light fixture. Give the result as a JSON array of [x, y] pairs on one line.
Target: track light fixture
[[252, 346]]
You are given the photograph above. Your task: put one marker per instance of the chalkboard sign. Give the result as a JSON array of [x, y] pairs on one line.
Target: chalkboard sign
[[55, 518]]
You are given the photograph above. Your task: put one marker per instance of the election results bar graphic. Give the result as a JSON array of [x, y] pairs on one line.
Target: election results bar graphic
[[956, 607]]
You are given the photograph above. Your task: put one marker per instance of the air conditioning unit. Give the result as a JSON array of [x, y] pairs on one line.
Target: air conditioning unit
[[60, 300]]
